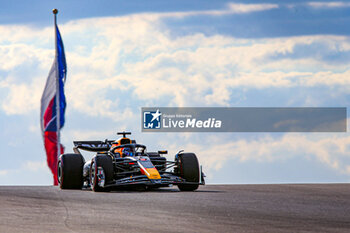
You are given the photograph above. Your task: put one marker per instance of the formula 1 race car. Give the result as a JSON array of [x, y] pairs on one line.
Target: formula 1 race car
[[124, 163]]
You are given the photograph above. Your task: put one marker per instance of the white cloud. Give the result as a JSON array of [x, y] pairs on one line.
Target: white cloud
[[20, 34], [28, 166], [34, 166], [3, 172], [332, 151], [329, 4], [232, 8], [90, 134], [246, 8], [116, 64], [28, 173], [142, 60], [22, 98]]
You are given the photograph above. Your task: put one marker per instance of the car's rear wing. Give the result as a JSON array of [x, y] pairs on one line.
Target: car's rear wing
[[94, 146]]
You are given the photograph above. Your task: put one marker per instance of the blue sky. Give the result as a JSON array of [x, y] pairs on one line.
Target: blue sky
[[124, 55]]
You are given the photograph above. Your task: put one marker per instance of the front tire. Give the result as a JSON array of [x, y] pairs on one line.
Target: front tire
[[188, 168], [70, 171], [101, 172]]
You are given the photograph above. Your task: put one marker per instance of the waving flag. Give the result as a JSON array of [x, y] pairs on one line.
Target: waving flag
[[53, 101]]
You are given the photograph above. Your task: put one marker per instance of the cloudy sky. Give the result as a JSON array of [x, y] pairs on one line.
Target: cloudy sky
[[124, 55]]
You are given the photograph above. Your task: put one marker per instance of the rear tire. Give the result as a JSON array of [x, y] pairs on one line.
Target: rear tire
[[103, 162], [70, 171], [188, 168]]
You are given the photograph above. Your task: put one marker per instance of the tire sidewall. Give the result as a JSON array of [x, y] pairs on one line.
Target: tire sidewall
[[60, 173], [93, 174]]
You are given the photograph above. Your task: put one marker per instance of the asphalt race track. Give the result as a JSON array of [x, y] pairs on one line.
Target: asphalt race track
[[212, 208]]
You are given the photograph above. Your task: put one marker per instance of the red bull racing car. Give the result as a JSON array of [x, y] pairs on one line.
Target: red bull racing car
[[125, 163]]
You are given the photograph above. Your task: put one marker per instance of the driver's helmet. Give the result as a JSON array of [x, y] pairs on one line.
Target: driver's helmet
[[127, 152]]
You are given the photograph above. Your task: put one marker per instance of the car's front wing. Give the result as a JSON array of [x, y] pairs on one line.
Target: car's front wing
[[167, 179]]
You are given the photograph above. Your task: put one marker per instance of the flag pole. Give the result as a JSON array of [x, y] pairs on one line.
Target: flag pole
[[55, 11]]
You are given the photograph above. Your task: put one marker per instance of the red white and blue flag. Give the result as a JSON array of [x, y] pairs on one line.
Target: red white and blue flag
[[48, 113]]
